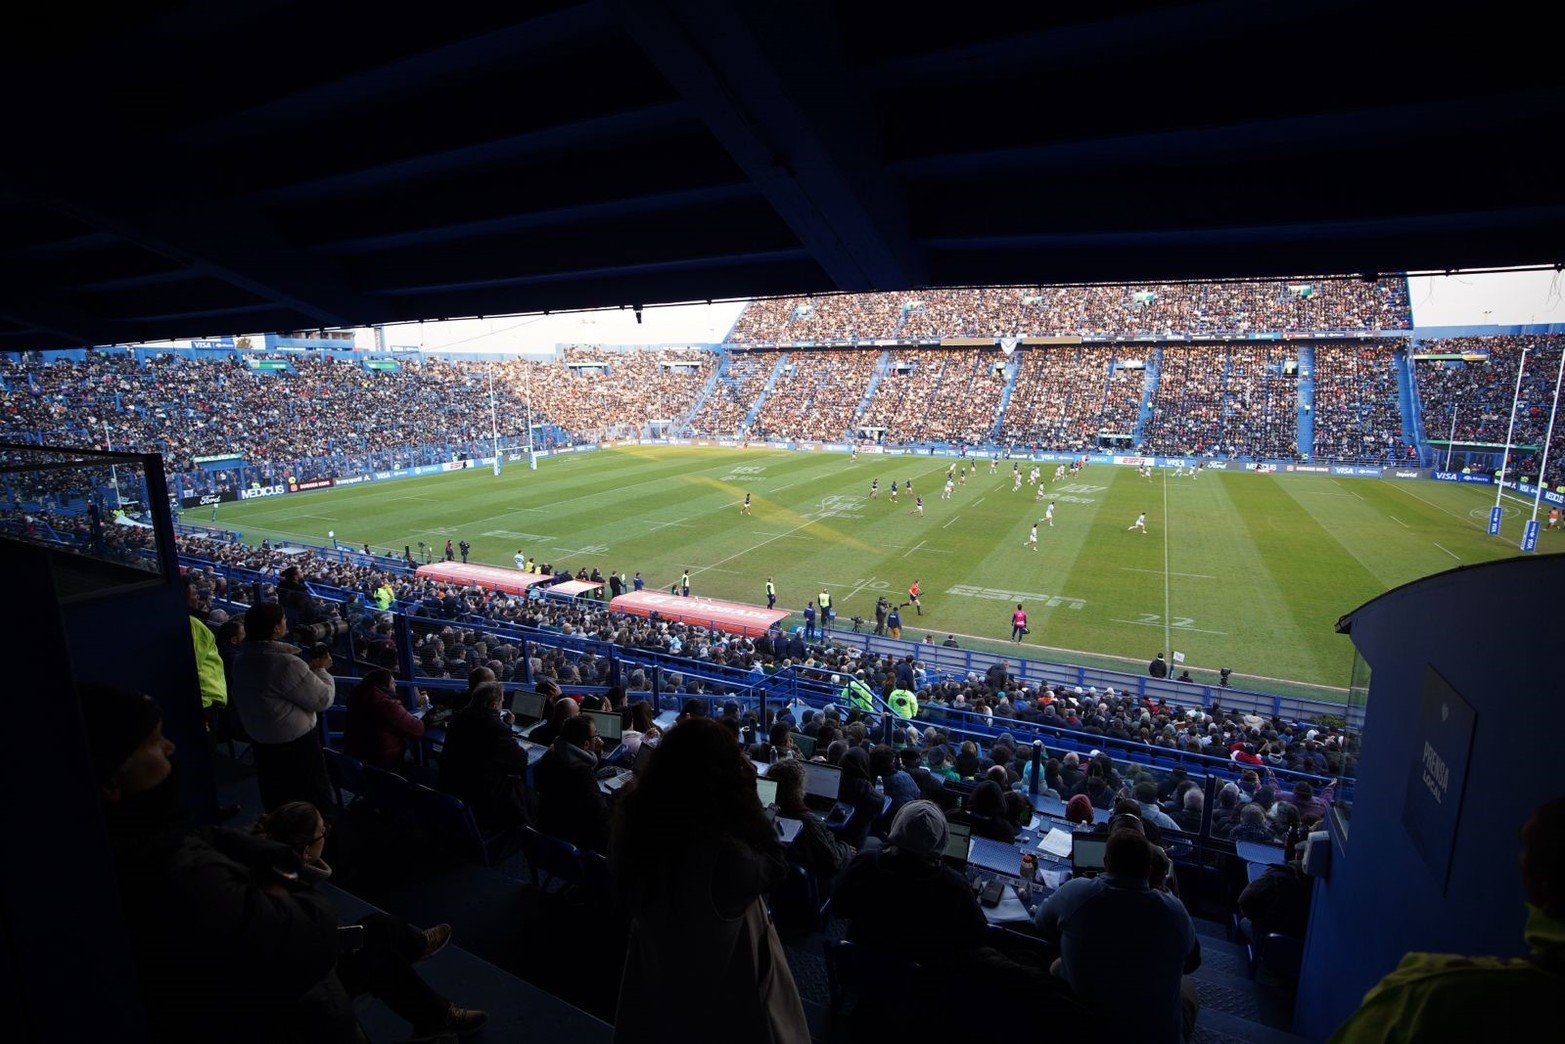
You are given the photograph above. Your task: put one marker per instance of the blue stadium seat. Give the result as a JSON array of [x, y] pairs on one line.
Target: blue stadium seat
[[550, 860], [447, 816], [861, 976], [347, 778]]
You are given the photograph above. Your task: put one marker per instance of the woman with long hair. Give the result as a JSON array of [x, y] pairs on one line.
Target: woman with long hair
[[378, 726], [695, 855]]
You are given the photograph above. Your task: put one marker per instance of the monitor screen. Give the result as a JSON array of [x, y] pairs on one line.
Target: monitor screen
[[957, 837], [766, 790], [1087, 853], [527, 705], [822, 781], [806, 744], [609, 724]]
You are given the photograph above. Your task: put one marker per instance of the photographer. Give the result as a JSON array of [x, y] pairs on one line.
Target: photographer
[[278, 695], [295, 598]]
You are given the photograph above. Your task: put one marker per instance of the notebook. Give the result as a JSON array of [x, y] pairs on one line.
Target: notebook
[[1087, 853]]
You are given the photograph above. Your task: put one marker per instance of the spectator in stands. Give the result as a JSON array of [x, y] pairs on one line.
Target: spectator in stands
[[986, 811], [570, 804], [223, 950], [383, 964], [378, 725], [1191, 808], [1276, 902], [1146, 800], [1433, 996], [947, 936], [816, 848], [894, 782], [930, 786], [210, 672], [857, 789], [278, 696], [294, 597], [777, 745], [1116, 928], [697, 856], [481, 764], [967, 760], [1079, 812], [549, 731]]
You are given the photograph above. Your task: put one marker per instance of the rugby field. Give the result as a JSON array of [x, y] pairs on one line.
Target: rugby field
[[1235, 569]]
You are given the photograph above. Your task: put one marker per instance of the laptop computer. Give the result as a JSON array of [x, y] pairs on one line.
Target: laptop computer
[[998, 857], [806, 744], [1087, 853], [766, 790], [821, 784], [958, 836], [643, 755], [527, 706], [610, 725]]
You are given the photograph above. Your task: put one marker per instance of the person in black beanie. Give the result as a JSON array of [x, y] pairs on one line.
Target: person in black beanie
[[224, 948]]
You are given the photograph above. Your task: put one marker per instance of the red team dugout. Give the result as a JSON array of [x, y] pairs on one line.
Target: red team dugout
[[491, 578], [732, 617]]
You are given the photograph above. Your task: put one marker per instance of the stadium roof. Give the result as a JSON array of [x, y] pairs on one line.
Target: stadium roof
[[185, 170]]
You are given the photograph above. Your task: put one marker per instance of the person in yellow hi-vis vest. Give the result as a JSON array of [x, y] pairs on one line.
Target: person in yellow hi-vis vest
[[826, 614], [903, 703], [858, 695]]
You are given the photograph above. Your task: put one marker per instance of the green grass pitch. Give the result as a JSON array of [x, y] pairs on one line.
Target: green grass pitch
[[1236, 569]]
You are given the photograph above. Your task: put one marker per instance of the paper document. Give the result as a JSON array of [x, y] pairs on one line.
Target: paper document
[[1056, 842], [1010, 909], [788, 829]]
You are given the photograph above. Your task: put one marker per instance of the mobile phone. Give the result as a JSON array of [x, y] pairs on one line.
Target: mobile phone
[[992, 892], [350, 937]]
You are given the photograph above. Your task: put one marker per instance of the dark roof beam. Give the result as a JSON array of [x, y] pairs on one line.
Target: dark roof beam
[[338, 100], [773, 89]]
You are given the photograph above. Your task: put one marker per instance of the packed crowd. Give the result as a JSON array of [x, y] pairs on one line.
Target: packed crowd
[[951, 395], [1231, 400], [325, 417], [1477, 396], [1058, 396], [816, 396], [1157, 310], [739, 385], [1356, 413], [456, 630]]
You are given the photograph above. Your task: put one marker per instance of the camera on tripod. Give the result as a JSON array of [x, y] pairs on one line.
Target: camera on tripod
[[325, 631], [858, 623]]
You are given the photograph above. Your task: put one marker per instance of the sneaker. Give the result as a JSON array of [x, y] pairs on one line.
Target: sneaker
[[435, 939], [463, 1021]]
